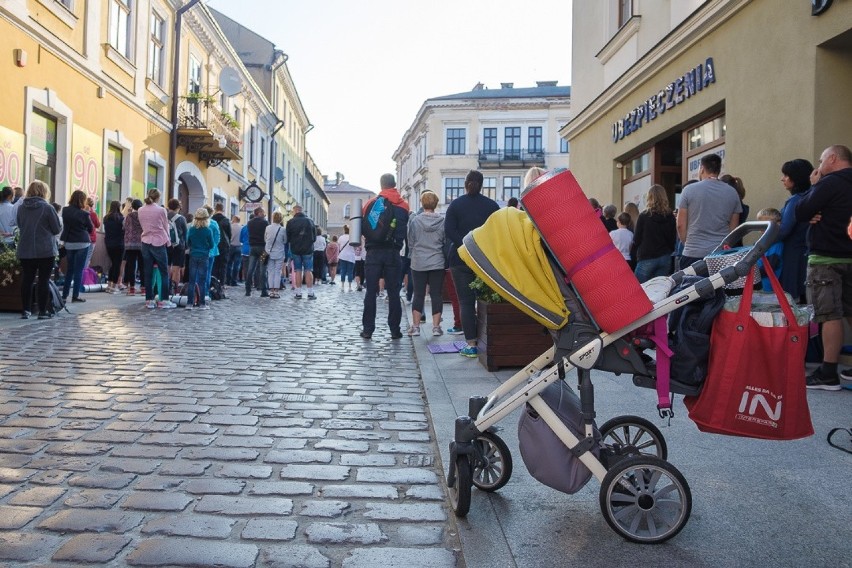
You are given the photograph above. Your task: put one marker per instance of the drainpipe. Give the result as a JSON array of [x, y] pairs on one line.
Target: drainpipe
[[272, 160], [175, 79]]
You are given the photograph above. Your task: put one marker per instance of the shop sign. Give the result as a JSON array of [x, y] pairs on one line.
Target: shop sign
[[86, 163], [249, 206], [684, 87], [11, 151], [694, 162]]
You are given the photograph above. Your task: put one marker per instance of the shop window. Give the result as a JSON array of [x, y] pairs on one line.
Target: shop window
[[707, 133], [113, 175], [43, 148], [489, 187], [152, 173], [453, 187], [636, 166]]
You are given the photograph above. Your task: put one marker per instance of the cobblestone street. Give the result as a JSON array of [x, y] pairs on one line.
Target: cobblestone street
[[259, 433]]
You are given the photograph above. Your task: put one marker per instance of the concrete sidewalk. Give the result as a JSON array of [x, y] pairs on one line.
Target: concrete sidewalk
[[755, 503]]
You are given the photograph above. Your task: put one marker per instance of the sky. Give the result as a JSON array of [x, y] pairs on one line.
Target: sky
[[363, 68]]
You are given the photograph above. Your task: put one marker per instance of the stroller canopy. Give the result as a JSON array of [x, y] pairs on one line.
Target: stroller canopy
[[507, 254]]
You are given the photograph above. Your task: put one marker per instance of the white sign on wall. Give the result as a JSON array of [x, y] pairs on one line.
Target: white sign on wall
[[636, 191], [695, 161]]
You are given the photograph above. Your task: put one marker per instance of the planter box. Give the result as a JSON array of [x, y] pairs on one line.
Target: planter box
[[10, 296], [508, 337]]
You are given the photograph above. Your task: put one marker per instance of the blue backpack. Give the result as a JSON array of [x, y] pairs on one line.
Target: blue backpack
[[380, 222]]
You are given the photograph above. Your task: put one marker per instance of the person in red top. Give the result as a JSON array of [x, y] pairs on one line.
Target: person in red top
[[93, 235], [383, 261]]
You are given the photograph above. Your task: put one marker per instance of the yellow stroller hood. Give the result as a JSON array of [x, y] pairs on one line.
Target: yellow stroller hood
[[507, 254]]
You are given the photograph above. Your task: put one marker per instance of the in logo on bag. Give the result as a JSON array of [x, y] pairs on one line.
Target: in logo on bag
[[754, 397]]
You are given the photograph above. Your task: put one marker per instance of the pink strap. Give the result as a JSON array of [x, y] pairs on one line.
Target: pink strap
[[664, 355], [569, 274]]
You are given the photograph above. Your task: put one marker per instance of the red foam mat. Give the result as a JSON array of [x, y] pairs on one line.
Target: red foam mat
[[573, 232]]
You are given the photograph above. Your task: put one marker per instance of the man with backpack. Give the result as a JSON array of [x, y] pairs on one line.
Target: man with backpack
[[255, 230], [384, 226], [224, 244], [301, 234]]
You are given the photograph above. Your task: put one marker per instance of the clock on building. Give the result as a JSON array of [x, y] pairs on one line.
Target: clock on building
[[253, 193]]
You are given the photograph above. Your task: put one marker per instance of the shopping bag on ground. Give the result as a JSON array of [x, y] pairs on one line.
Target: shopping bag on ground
[[755, 383]]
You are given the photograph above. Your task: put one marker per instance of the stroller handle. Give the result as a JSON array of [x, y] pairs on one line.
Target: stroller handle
[[766, 240]]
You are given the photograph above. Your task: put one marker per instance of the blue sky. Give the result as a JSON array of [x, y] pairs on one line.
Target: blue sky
[[364, 68]]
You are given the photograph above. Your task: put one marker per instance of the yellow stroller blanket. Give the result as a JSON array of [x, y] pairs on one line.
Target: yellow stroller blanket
[[507, 254]]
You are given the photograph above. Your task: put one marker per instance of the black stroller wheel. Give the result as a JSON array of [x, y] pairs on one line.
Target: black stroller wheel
[[645, 499], [492, 465], [460, 485], [632, 436]]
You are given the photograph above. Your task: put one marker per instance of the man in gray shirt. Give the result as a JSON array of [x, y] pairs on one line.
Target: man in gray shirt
[[707, 212]]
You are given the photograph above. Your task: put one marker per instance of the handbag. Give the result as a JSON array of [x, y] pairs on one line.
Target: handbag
[[718, 260], [755, 383]]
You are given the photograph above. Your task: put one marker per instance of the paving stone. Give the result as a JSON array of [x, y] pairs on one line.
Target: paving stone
[[245, 441], [298, 456], [414, 535], [369, 460], [405, 512], [173, 439], [156, 501], [214, 486], [345, 533], [157, 483], [37, 496], [145, 452], [362, 415], [413, 436], [343, 445], [425, 492], [287, 422], [113, 436], [317, 414], [21, 446], [27, 547], [92, 548], [17, 517], [102, 480], [241, 430], [405, 448], [84, 520], [190, 552], [92, 499], [418, 461], [361, 490], [292, 556], [401, 475], [199, 526], [245, 471], [205, 429], [328, 509], [244, 505], [337, 424], [14, 475], [124, 465], [175, 416], [6, 489], [269, 529], [396, 425], [226, 420], [398, 557], [184, 468], [221, 454], [281, 488], [297, 432], [320, 472]]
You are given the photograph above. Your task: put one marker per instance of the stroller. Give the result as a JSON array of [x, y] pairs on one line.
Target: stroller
[[556, 263]]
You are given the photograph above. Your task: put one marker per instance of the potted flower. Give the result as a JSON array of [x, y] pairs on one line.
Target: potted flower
[[507, 337], [10, 280]]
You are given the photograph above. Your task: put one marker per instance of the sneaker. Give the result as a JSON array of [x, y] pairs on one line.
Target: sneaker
[[365, 335], [455, 331], [397, 334], [78, 299], [817, 380], [312, 296], [166, 305], [204, 307], [469, 351], [25, 315], [131, 291], [437, 331], [150, 304], [298, 296], [413, 331], [189, 307], [846, 374]]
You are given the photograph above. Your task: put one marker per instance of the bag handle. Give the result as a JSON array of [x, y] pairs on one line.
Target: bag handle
[[748, 292]]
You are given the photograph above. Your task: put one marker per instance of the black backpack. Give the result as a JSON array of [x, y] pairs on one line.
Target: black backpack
[[379, 223], [55, 303], [217, 292]]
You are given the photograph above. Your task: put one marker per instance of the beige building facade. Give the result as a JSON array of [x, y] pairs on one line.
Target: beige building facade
[[657, 84], [501, 132], [341, 195]]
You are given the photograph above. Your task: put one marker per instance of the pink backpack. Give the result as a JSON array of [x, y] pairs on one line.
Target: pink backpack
[[89, 276]]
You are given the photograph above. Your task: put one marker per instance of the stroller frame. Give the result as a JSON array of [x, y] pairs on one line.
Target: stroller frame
[[636, 481]]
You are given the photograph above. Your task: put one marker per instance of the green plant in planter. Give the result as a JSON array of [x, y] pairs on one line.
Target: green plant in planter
[[229, 120], [198, 98], [484, 292], [10, 265]]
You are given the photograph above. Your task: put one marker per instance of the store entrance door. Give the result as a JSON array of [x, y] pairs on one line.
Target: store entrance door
[[668, 165]]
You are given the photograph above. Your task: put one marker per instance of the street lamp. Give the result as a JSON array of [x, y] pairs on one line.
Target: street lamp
[[175, 80]]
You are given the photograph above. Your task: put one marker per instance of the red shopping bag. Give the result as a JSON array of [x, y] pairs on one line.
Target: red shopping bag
[[755, 384]]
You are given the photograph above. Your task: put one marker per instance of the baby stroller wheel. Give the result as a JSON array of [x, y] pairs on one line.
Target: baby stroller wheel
[[645, 499], [631, 436], [492, 465], [460, 485]]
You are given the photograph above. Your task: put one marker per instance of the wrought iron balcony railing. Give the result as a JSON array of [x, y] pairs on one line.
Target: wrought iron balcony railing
[[523, 158], [205, 129]]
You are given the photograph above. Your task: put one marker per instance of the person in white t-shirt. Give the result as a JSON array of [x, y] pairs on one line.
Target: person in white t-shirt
[[346, 259], [622, 237]]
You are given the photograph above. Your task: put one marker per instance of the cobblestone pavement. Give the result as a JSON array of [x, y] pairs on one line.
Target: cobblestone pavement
[[259, 433]]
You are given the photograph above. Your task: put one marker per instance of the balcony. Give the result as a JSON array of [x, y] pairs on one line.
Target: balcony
[[522, 158], [206, 130]]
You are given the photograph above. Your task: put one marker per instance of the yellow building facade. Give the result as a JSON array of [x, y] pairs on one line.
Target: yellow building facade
[[658, 84]]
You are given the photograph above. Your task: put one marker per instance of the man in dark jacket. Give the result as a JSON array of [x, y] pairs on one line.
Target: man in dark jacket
[[383, 261], [301, 234], [256, 231], [828, 206], [465, 214], [224, 244]]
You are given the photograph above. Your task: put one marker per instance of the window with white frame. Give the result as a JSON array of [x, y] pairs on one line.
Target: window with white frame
[[512, 142], [113, 190], [347, 211], [511, 187], [455, 141], [252, 134], [564, 147], [68, 4], [489, 141], [453, 187], [534, 137], [625, 11], [120, 12], [194, 78], [156, 48], [489, 187]]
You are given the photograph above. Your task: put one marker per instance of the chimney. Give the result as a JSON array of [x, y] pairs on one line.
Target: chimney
[[338, 177], [506, 85], [546, 83], [478, 87]]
